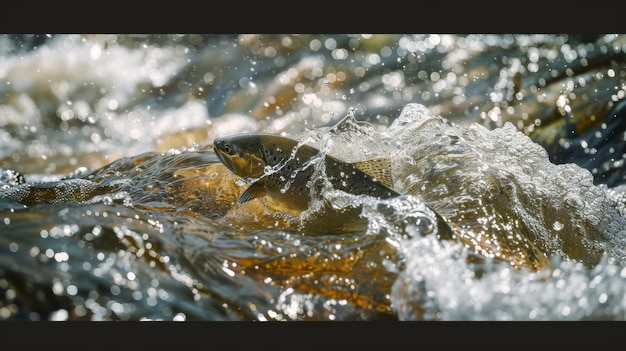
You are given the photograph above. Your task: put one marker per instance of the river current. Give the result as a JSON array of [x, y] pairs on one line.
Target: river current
[[113, 205]]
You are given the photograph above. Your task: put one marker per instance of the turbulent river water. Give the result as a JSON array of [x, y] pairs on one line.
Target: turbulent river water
[[114, 206]]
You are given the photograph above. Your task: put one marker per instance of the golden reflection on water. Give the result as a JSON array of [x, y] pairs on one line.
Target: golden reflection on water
[[164, 228]]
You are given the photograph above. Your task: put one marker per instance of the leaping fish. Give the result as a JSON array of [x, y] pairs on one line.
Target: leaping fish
[[283, 168], [291, 167]]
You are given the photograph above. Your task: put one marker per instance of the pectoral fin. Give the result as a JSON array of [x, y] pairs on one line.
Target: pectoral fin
[[254, 191], [378, 168]]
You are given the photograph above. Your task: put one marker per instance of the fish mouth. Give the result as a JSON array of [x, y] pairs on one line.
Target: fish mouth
[[226, 161]]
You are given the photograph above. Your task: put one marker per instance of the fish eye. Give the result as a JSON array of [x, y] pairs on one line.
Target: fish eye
[[227, 149]]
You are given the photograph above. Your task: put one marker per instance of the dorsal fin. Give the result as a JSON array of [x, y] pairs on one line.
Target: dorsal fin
[[378, 168], [255, 190]]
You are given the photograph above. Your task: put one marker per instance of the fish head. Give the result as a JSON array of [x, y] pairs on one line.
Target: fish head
[[242, 154]]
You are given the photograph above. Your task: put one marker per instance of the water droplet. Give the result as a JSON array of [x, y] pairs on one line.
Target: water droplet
[[575, 202], [59, 315]]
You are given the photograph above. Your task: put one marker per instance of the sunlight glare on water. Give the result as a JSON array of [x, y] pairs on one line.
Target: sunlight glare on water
[[115, 207]]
